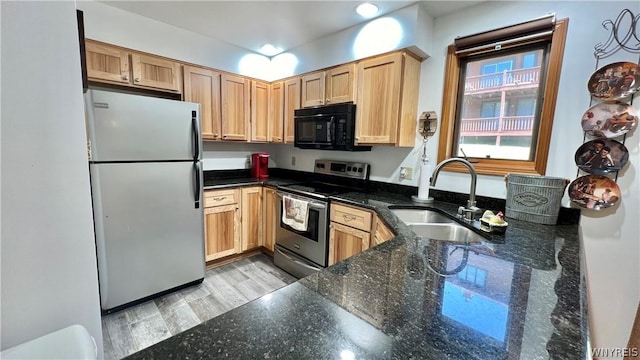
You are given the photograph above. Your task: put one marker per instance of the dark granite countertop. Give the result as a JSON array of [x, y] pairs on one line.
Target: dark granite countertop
[[515, 296], [221, 183]]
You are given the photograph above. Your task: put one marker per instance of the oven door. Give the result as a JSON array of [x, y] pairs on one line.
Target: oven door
[[314, 131], [312, 243]]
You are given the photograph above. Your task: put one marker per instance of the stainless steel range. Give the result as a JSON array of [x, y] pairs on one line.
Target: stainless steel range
[[302, 252]]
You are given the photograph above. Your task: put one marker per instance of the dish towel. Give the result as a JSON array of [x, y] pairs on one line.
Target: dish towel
[[295, 213]]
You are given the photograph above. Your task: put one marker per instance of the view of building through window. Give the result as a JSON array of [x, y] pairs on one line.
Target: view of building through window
[[498, 109]]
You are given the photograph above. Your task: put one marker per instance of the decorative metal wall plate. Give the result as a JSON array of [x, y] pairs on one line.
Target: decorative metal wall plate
[[601, 156], [609, 119], [594, 192], [615, 81]]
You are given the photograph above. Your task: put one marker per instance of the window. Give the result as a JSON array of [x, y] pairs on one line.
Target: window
[[473, 275], [492, 107]]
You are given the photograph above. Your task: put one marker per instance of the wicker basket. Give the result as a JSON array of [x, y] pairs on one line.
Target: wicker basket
[[534, 198]]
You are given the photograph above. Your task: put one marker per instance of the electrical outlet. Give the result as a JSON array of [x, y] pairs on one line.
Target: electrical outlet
[[293, 161], [406, 173]]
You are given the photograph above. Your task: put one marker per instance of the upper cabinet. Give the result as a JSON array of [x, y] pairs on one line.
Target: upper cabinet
[[202, 86], [155, 72], [387, 98], [259, 111], [333, 86], [107, 63], [235, 107], [291, 102], [112, 64], [276, 112], [313, 89]]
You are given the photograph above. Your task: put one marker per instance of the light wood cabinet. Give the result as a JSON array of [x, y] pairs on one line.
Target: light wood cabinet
[[349, 231], [345, 241], [202, 86], [252, 225], [313, 89], [291, 103], [381, 232], [353, 230], [333, 86], [340, 84], [271, 221], [155, 72], [113, 64], [107, 63], [260, 111], [276, 112], [387, 98], [221, 224], [235, 107]]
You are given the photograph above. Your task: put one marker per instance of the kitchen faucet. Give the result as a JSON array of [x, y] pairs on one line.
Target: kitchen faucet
[[466, 212]]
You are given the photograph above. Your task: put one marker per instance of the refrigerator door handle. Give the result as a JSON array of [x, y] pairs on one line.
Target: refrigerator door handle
[[195, 131], [197, 190]]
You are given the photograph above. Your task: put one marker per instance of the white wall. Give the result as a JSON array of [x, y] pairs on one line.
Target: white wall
[[49, 276]]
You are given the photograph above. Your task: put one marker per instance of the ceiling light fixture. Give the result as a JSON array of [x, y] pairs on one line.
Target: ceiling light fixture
[[270, 50], [367, 10]]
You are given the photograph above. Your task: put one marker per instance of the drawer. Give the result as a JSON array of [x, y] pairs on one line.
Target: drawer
[[221, 197], [351, 216]]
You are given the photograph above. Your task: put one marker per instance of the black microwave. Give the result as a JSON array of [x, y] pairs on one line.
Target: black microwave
[[330, 127]]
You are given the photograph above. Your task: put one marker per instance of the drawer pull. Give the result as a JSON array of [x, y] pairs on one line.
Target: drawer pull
[[349, 217], [219, 198]]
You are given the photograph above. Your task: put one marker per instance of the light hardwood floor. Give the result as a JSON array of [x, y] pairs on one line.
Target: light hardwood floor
[[224, 288]]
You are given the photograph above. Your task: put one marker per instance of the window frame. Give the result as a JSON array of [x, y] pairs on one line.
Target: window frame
[[538, 165]]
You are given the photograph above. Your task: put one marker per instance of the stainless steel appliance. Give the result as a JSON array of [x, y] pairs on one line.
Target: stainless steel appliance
[[302, 253], [330, 127], [146, 185]]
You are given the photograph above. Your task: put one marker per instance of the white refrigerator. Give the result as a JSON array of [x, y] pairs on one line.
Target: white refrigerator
[[146, 185]]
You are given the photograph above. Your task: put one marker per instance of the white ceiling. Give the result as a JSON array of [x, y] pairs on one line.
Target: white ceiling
[[251, 24]]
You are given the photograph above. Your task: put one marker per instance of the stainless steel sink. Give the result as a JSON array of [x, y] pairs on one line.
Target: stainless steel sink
[[436, 226]]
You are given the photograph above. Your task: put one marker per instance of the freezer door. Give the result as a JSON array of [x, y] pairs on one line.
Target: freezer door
[[125, 127], [149, 233]]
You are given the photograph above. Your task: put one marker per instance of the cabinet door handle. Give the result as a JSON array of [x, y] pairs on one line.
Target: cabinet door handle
[[137, 79], [125, 77], [328, 100], [224, 137], [215, 135]]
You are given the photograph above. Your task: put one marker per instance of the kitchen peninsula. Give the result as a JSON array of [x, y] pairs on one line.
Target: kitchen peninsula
[[518, 296]]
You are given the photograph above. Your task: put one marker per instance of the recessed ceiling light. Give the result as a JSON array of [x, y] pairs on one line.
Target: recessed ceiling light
[[270, 50], [367, 10]]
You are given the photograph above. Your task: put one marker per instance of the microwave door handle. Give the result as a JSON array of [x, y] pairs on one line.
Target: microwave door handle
[[332, 130]]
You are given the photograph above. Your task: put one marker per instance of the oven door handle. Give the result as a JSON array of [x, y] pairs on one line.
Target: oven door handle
[[312, 204], [296, 261]]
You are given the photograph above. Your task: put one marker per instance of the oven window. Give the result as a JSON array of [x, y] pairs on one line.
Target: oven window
[[313, 228]]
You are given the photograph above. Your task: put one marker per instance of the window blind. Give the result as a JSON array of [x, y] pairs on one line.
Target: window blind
[[524, 32]]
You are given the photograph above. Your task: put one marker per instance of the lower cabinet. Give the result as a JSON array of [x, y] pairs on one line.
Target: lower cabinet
[[351, 229], [252, 225], [221, 223], [345, 241], [271, 221], [244, 219], [239, 220]]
